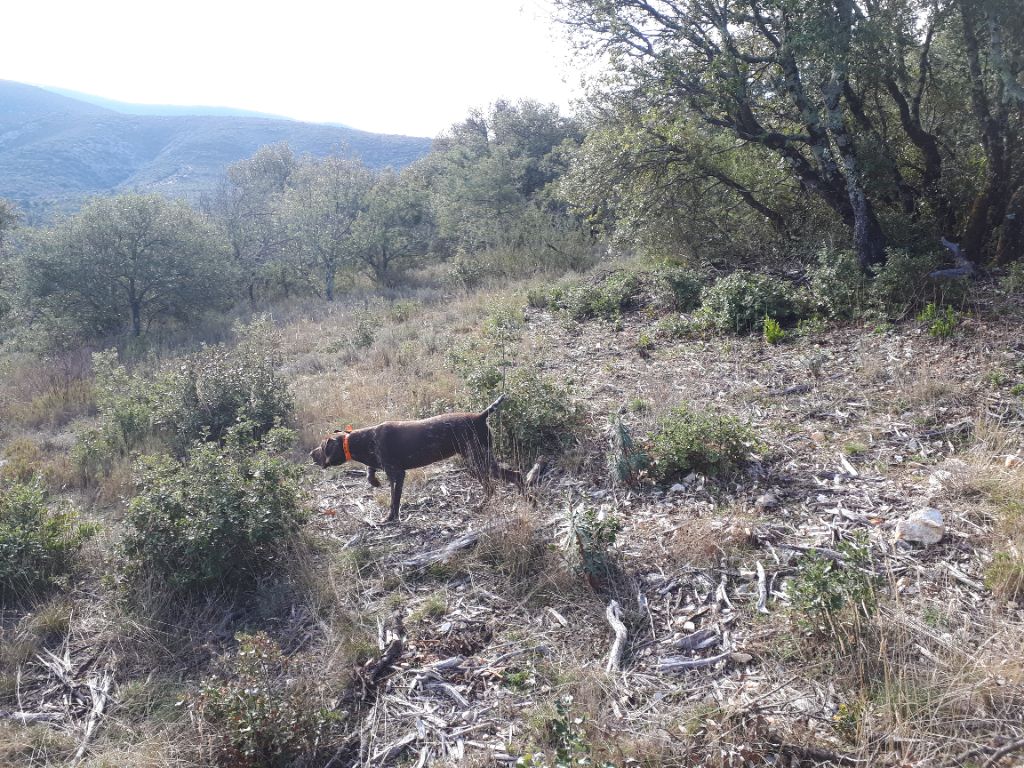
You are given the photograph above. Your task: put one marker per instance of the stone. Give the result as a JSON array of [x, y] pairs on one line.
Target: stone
[[924, 526]]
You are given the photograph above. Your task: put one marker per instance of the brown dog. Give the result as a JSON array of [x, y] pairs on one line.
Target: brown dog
[[396, 446]]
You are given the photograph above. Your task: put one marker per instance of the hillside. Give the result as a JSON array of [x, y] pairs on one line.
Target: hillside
[[55, 150], [772, 616]]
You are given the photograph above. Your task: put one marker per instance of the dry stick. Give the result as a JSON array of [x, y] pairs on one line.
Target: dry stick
[[762, 589], [671, 665], [619, 645], [99, 690], [999, 754]]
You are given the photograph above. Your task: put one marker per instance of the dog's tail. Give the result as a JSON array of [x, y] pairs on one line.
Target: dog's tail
[[492, 407]]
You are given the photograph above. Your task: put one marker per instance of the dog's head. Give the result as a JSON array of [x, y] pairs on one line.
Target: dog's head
[[331, 451]]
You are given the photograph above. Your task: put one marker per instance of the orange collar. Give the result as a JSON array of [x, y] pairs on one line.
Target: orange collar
[[344, 446]]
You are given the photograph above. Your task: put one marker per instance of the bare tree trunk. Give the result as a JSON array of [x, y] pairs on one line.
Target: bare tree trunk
[[329, 281], [1011, 239]]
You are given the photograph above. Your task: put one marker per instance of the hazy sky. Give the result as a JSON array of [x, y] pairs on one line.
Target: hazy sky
[[398, 66]]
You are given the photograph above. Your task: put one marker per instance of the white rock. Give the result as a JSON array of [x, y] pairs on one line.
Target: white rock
[[677, 488], [1012, 462], [924, 526]]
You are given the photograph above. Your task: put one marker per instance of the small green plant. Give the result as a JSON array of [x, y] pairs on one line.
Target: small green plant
[[686, 441], [569, 736], [37, 543], [221, 517], [1005, 574], [1013, 282], [854, 448], [628, 463], [364, 331], [257, 716], [847, 720], [773, 332], [824, 589], [593, 533], [644, 343], [1017, 390], [942, 323], [739, 302]]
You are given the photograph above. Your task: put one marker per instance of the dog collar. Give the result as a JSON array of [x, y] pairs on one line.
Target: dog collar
[[344, 447]]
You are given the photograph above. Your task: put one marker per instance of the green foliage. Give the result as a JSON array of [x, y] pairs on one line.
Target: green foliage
[[903, 284], [686, 441], [839, 285], [823, 589], [740, 301], [942, 324], [126, 404], [128, 261], [257, 716], [1013, 281], [773, 332], [218, 387], [221, 517], [37, 544], [569, 737], [607, 298], [627, 462], [538, 416], [593, 533], [612, 294], [1005, 574]]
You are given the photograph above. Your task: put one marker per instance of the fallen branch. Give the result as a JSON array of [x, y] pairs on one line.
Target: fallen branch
[[613, 614], [445, 553], [999, 754], [32, 717], [674, 663], [99, 688], [762, 589]]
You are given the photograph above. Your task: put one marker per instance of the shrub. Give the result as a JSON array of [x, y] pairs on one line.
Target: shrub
[[221, 517], [538, 416], [257, 715], [942, 324], [740, 301], [686, 441], [823, 589], [125, 403], [1005, 574], [593, 535], [839, 285], [676, 288], [773, 332], [37, 544], [903, 284], [217, 388]]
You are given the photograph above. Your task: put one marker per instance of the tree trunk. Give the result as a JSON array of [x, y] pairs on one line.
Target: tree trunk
[[329, 281], [136, 319], [1011, 239]]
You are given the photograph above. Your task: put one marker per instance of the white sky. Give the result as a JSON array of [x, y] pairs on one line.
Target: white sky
[[401, 66]]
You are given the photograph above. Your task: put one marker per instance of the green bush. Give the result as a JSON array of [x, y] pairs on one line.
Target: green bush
[[126, 405], [539, 416], [676, 288], [686, 441], [221, 517], [942, 324], [773, 332], [739, 302], [903, 284], [823, 589], [615, 293], [257, 716], [37, 543], [839, 285], [218, 387]]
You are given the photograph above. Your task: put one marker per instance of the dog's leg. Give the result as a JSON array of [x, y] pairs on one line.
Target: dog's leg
[[397, 480], [371, 476]]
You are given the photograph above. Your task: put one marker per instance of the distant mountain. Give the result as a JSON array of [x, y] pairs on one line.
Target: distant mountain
[[127, 108], [55, 151]]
